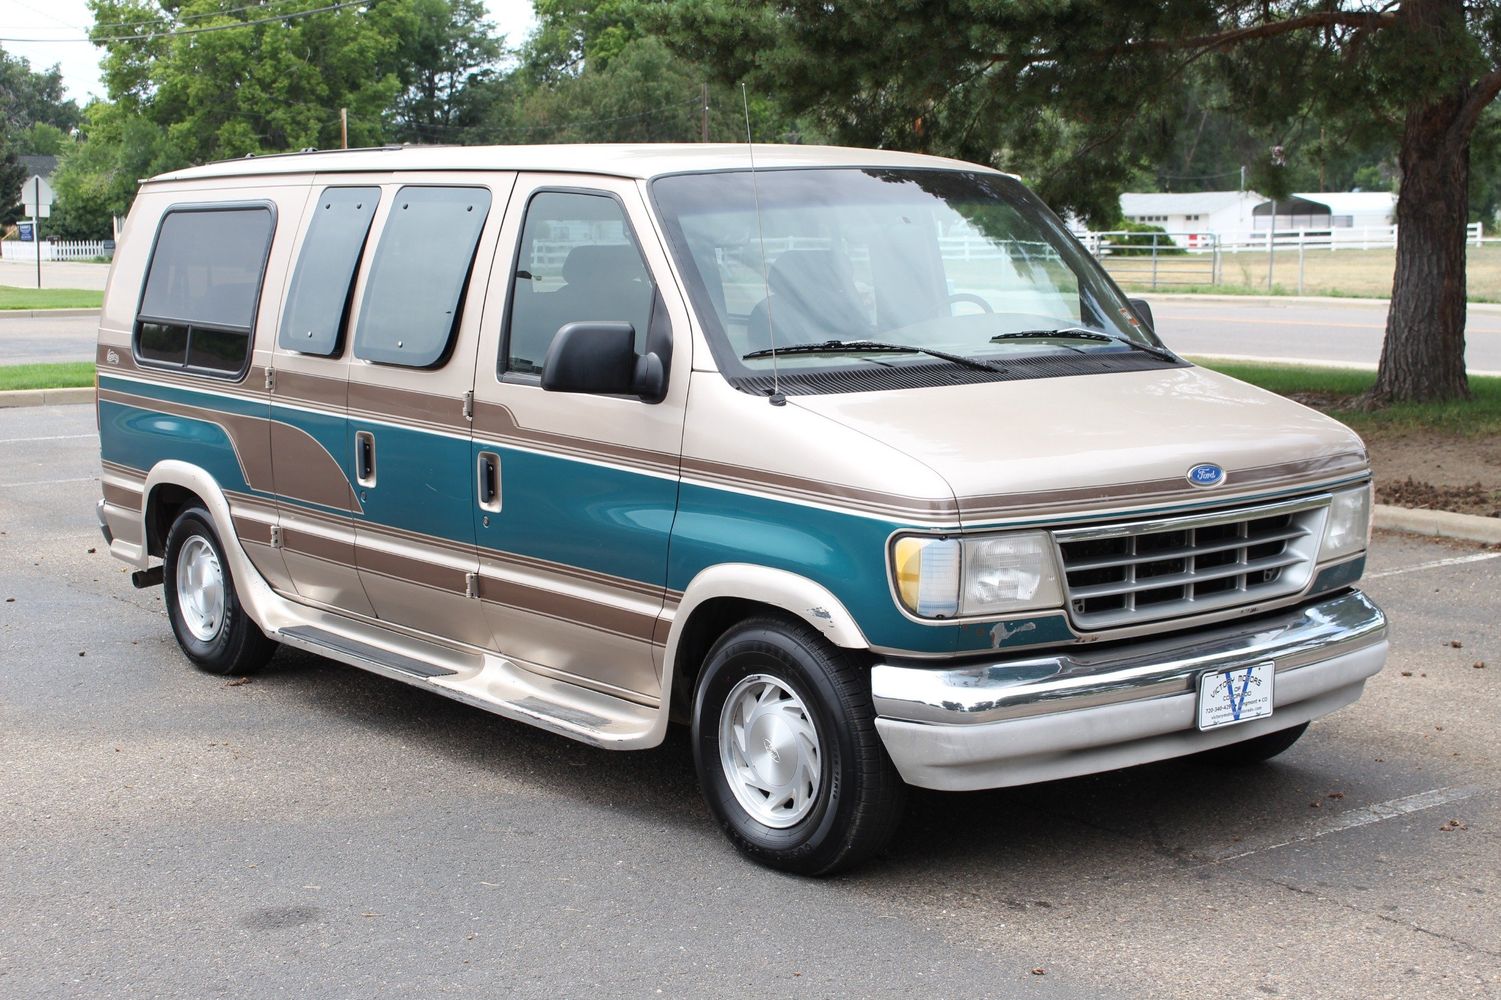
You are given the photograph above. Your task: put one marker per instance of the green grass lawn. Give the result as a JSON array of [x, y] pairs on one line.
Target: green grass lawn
[[58, 375], [1340, 273], [49, 298], [1336, 391]]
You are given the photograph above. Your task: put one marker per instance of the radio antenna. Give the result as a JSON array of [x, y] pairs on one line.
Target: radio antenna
[[777, 399]]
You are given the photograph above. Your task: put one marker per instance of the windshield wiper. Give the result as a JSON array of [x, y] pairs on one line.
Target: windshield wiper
[[836, 346], [1080, 333], [1064, 333]]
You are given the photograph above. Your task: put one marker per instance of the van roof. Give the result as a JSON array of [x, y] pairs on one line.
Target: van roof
[[642, 160]]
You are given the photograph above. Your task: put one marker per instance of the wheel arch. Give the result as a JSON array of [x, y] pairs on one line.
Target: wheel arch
[[173, 485], [721, 596]]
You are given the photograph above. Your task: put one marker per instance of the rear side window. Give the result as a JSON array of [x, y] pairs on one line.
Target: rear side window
[[410, 309], [202, 285], [323, 284]]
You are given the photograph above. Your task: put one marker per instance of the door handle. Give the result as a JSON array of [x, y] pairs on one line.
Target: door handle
[[488, 475], [364, 458]]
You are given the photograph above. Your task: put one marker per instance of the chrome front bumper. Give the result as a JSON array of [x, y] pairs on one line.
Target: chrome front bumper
[[1078, 711]]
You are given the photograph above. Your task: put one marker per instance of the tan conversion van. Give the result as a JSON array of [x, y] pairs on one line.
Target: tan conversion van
[[855, 463]]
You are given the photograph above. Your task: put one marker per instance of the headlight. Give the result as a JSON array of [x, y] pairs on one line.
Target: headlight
[[983, 575], [1348, 528]]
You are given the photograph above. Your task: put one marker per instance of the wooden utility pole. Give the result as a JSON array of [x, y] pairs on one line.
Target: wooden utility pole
[[703, 93], [344, 127]]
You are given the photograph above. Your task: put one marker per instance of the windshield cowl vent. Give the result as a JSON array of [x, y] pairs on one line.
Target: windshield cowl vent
[[863, 377]]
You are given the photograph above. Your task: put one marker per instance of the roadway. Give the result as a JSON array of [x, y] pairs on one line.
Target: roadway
[[318, 831], [1328, 331]]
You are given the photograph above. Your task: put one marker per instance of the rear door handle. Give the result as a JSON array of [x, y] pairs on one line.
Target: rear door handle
[[488, 475], [364, 458]]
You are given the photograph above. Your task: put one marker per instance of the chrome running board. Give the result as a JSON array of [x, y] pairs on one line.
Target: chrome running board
[[484, 680]]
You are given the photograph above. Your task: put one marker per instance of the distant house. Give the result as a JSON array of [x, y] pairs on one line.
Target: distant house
[[1327, 210], [39, 166], [1193, 211]]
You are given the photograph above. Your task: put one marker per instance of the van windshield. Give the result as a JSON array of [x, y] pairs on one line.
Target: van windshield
[[858, 260]]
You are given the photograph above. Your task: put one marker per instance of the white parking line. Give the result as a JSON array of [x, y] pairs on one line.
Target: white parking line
[[55, 437], [1436, 564], [1365, 815], [50, 482]]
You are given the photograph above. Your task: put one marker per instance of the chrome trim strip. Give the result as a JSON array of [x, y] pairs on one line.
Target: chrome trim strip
[[1071, 680], [1229, 514]]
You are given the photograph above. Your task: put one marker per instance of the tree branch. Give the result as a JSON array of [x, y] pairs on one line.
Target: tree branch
[[1272, 29], [1486, 89]]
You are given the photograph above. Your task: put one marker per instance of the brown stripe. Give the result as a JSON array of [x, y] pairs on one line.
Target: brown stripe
[[252, 385], [332, 550], [567, 608], [409, 570], [129, 471], [408, 406], [250, 529], [121, 496], [1262, 476], [528, 564], [736, 475], [303, 387], [247, 435], [495, 422], [306, 471]]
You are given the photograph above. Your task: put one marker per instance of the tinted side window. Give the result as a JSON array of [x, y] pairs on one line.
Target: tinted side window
[[202, 286], [578, 261], [410, 308], [322, 285]]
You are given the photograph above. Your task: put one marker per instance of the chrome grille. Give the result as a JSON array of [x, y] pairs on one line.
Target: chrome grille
[[1145, 571]]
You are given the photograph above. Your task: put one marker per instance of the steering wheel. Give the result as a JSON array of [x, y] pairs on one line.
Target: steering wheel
[[971, 298]]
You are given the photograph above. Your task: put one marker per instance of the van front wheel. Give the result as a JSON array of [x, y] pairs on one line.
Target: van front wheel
[[787, 752], [202, 604]]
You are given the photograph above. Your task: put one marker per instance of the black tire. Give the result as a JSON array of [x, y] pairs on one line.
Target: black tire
[[1256, 750], [858, 801], [236, 645]]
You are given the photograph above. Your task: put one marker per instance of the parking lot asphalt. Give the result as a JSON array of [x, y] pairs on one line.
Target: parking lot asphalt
[[26, 339], [317, 831]]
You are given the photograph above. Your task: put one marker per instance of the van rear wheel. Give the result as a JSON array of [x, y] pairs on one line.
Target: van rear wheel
[[202, 604], [787, 753]]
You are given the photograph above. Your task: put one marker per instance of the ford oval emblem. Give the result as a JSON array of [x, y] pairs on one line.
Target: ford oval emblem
[[1206, 474]]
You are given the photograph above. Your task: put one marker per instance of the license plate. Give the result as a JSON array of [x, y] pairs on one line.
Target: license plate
[[1227, 697]]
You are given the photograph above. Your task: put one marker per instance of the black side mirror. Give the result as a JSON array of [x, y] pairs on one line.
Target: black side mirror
[[1143, 313], [601, 359]]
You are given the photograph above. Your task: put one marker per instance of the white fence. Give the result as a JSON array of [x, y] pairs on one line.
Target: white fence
[[58, 250], [1183, 258], [1354, 238]]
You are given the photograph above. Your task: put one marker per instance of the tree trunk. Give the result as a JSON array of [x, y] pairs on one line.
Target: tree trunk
[[1423, 355]]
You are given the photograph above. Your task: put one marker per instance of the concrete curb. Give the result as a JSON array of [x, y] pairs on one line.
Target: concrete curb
[[1438, 523], [45, 313], [46, 397]]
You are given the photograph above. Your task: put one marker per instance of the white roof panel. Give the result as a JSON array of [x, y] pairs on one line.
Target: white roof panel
[[640, 160], [1353, 202], [1183, 203]]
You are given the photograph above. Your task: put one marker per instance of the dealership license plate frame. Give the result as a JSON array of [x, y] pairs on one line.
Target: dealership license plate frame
[[1229, 697]]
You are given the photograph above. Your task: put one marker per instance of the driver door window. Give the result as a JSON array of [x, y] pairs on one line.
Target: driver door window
[[577, 262]]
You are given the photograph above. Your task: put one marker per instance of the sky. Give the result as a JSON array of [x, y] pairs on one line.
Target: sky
[[79, 60]]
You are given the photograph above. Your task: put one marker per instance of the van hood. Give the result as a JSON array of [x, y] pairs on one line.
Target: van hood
[[1117, 441]]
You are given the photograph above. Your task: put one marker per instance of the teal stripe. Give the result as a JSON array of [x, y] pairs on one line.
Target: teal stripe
[[578, 514], [141, 438]]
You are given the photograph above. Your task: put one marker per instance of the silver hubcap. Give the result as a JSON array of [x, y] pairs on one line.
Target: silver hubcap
[[200, 588], [768, 747]]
